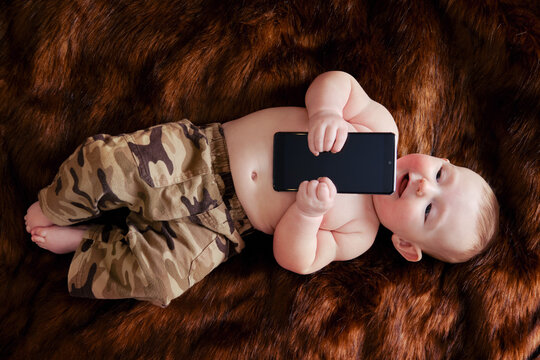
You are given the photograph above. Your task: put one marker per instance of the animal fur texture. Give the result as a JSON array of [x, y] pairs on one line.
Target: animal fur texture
[[461, 78]]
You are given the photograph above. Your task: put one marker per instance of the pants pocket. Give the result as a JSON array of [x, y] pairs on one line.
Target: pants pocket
[[209, 259], [217, 223], [170, 153]]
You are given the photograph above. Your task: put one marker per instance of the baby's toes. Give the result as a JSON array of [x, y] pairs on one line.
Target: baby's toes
[[38, 239], [39, 232]]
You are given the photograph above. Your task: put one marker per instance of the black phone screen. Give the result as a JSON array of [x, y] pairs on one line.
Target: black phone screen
[[365, 165]]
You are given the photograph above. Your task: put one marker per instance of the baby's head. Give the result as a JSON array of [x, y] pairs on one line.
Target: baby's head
[[446, 211]]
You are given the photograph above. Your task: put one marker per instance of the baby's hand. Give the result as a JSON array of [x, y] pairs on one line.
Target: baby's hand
[[316, 197], [327, 132]]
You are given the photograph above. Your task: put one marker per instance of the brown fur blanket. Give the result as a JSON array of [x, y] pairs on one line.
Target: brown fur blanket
[[462, 79]]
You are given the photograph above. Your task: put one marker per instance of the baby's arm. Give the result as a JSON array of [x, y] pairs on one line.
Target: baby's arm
[[337, 104], [299, 243]]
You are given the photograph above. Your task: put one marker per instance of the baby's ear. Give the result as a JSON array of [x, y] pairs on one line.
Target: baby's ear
[[408, 250]]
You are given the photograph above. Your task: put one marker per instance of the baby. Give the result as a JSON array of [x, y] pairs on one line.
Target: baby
[[194, 191]]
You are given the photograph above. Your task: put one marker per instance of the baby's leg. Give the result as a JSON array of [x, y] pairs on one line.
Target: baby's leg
[[96, 177], [151, 261], [58, 239]]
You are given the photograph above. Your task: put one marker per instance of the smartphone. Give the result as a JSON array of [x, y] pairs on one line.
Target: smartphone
[[365, 165]]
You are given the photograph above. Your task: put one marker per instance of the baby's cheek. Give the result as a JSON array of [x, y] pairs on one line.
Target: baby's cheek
[[392, 215]]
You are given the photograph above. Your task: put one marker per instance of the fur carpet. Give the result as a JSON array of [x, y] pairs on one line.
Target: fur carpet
[[461, 78]]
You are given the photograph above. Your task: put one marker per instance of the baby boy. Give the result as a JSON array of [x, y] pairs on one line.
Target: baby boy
[[192, 192]]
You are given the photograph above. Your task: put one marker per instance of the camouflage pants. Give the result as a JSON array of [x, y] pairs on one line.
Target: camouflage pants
[[184, 219]]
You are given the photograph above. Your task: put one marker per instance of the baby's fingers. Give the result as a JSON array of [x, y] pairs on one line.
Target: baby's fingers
[[316, 139], [341, 138], [312, 188], [302, 188], [331, 187], [329, 138], [323, 193], [308, 188], [311, 143]]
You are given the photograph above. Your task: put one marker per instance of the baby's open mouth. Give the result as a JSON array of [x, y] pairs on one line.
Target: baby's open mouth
[[403, 184]]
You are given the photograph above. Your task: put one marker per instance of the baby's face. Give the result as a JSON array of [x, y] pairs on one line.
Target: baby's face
[[435, 204]]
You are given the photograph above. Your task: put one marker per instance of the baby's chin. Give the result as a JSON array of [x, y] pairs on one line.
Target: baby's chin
[[381, 204]]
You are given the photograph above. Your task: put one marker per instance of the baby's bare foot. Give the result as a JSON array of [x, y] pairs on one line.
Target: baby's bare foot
[[58, 239], [34, 217]]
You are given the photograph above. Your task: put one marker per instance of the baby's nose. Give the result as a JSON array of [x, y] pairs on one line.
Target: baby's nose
[[423, 187]]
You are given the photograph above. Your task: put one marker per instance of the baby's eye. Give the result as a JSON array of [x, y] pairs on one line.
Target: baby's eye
[[439, 174], [428, 209]]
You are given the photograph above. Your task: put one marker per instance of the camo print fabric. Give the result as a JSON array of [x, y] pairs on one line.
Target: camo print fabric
[[184, 219]]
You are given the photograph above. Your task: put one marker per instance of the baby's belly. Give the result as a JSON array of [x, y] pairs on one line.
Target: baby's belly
[[250, 146], [264, 206]]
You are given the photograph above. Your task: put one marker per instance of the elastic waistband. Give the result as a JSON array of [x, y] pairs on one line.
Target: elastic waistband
[[222, 171], [218, 148]]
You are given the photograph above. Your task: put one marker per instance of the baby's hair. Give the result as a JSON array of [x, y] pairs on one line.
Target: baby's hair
[[488, 219], [487, 226], [487, 222]]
